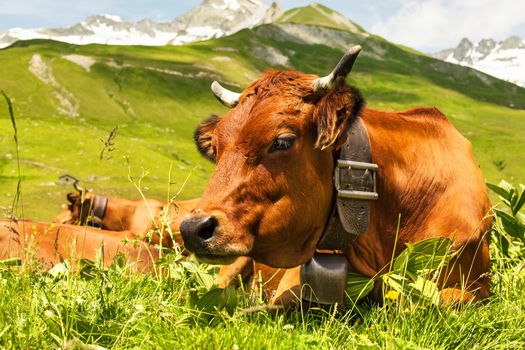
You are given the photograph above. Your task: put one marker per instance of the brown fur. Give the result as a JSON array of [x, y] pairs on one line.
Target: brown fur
[[48, 244], [334, 113], [202, 137], [133, 219], [137, 216], [273, 206], [43, 245]]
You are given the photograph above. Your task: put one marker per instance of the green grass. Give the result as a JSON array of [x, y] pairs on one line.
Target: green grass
[[318, 15], [112, 309]]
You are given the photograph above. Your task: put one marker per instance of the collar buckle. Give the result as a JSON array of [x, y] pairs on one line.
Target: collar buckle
[[367, 176]]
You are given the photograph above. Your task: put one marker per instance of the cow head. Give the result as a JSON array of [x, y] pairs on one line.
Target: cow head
[[77, 209], [272, 193]]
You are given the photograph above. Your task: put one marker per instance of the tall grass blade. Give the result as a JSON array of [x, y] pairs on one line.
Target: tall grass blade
[[17, 197]]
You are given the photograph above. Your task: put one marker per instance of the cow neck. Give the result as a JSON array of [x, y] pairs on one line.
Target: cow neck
[[354, 182]]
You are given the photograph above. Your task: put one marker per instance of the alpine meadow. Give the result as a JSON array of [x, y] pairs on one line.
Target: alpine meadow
[[121, 119]]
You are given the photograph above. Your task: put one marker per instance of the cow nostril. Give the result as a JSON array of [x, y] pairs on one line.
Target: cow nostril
[[207, 228], [198, 232]]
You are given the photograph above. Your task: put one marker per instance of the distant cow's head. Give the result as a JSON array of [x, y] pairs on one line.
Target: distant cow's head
[[272, 192], [77, 209]]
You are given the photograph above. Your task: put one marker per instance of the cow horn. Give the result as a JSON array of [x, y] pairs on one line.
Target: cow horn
[[343, 68], [77, 186], [225, 96]]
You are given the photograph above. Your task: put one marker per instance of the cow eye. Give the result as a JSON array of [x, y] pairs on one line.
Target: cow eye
[[282, 143]]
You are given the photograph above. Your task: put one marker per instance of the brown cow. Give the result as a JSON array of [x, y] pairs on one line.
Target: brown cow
[[119, 214], [272, 191], [49, 244], [137, 218]]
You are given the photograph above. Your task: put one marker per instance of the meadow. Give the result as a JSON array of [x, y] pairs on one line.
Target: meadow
[[66, 109], [178, 306]]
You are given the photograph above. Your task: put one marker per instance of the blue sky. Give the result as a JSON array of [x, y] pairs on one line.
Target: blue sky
[[427, 25]]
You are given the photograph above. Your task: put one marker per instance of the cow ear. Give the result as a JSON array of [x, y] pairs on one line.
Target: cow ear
[[203, 136], [333, 114]]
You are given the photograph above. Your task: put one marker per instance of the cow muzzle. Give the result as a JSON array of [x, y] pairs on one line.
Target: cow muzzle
[[212, 238], [197, 233]]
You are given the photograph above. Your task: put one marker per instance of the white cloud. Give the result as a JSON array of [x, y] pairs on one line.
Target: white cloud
[[431, 25]]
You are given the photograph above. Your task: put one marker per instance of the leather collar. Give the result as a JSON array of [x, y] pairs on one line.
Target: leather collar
[[324, 277], [355, 188], [99, 207]]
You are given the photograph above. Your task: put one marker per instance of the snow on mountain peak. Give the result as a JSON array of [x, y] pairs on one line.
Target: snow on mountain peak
[[113, 17], [212, 18], [103, 19], [228, 5], [504, 59]]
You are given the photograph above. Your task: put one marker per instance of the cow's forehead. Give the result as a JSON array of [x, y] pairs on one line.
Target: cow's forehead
[[271, 102], [262, 119], [281, 82]]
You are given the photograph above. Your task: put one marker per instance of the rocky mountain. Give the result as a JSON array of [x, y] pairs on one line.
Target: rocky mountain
[[216, 18], [504, 59], [212, 18]]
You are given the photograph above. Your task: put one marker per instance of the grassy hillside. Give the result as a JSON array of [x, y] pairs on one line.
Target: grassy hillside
[[157, 95], [319, 15]]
